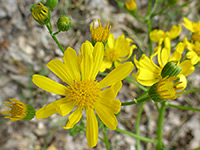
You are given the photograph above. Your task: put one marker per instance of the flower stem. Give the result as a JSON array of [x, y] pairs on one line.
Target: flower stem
[[129, 79], [159, 145], [138, 124], [55, 39], [106, 140], [135, 136], [184, 107], [192, 91], [136, 101]]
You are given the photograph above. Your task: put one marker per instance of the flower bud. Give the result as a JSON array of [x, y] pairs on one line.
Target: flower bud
[[130, 4], [40, 13], [166, 88], [170, 69], [19, 110], [64, 23], [52, 3]]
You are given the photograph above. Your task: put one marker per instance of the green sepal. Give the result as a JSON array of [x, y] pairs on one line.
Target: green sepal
[[30, 113], [170, 69]]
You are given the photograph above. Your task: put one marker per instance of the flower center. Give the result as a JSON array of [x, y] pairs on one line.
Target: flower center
[[112, 55], [84, 93], [18, 110], [167, 89]]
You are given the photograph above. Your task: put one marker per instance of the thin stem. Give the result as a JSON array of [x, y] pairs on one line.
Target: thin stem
[[135, 101], [56, 32], [135, 83], [55, 39], [159, 145], [106, 139], [184, 107], [151, 10], [137, 130], [150, 41], [192, 91], [161, 11], [135, 136]]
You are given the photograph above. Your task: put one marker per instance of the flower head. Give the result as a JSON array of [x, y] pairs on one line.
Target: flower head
[[159, 36], [40, 13], [83, 91], [64, 23], [99, 34], [193, 27], [117, 51], [19, 110], [149, 73], [166, 88], [130, 4]]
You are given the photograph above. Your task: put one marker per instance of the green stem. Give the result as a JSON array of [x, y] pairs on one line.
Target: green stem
[[56, 32], [129, 79], [135, 136], [161, 11], [159, 145], [136, 101], [55, 39], [191, 91], [184, 107], [151, 10], [138, 124], [106, 140], [150, 41]]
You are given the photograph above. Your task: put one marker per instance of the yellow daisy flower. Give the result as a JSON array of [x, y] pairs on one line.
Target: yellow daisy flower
[[19, 110], [40, 13], [166, 88], [159, 36], [117, 51], [194, 51], [149, 73], [100, 34], [83, 91], [193, 27], [130, 4]]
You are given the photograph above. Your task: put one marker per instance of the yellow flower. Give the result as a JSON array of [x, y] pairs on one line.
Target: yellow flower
[[117, 51], [19, 110], [149, 73], [194, 51], [166, 88], [100, 34], [83, 91], [40, 13], [130, 4], [193, 27], [159, 36]]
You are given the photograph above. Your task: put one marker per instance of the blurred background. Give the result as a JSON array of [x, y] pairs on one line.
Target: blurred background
[[26, 47]]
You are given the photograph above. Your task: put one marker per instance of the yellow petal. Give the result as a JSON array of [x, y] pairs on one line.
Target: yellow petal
[[106, 64], [64, 106], [176, 56], [111, 41], [116, 75], [74, 117], [98, 59], [57, 67], [175, 31], [163, 57], [46, 111], [49, 85], [72, 64], [87, 60], [106, 115], [193, 56], [5, 112], [187, 67], [188, 24], [182, 85], [156, 35], [91, 128]]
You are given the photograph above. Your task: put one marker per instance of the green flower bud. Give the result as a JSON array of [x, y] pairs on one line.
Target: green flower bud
[[172, 2], [64, 23], [170, 69], [40, 13], [52, 3], [30, 113]]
